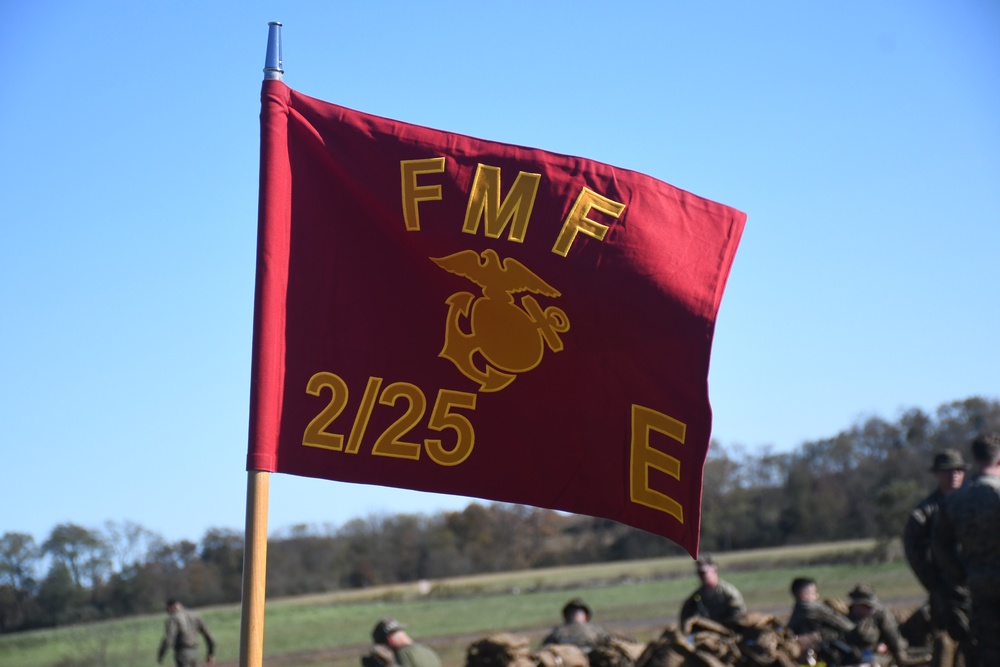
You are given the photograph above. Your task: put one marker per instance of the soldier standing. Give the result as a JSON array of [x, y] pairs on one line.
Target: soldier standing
[[966, 541], [181, 635], [947, 603]]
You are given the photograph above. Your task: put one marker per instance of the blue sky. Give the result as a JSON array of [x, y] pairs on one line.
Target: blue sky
[[862, 140]]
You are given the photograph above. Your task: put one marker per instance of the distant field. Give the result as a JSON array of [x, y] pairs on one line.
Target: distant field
[[635, 598]]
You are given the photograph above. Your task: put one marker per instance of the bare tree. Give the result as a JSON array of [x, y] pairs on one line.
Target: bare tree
[[129, 543]]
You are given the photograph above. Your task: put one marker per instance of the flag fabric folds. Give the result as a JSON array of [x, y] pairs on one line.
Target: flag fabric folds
[[442, 313]]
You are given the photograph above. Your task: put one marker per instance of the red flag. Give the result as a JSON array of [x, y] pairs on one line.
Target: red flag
[[442, 313]]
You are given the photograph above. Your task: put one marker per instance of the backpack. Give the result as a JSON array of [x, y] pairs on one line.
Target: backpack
[[616, 652], [498, 650], [560, 655]]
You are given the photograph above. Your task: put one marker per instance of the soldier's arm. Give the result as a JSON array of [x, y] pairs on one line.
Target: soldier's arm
[[169, 639], [688, 609], [917, 546], [737, 606], [727, 603], [945, 549], [889, 633], [834, 619], [209, 640]]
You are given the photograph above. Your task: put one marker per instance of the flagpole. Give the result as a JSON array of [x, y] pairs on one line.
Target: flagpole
[[272, 61], [254, 570], [258, 484]]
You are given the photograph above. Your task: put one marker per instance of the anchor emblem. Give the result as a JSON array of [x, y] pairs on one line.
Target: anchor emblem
[[510, 338]]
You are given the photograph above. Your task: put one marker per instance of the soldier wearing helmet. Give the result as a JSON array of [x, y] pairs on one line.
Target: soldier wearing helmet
[[577, 628]]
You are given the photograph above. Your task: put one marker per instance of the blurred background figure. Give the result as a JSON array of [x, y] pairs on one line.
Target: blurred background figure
[[966, 541], [577, 628], [389, 632], [876, 633], [818, 627], [715, 599], [181, 634], [947, 604]]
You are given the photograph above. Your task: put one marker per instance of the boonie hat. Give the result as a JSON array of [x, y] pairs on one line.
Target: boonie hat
[[949, 459], [863, 594], [384, 628]]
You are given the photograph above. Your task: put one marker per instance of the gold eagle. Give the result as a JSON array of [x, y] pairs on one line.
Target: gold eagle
[[496, 278]]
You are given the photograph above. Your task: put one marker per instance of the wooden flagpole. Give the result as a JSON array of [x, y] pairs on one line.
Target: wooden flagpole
[[258, 482], [254, 570]]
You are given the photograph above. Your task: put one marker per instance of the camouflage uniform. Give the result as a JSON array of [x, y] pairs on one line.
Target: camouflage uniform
[[948, 604], [966, 542], [917, 543], [181, 634], [876, 626], [585, 635], [722, 603], [809, 617]]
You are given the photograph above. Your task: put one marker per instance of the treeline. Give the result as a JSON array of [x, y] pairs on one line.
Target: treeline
[[859, 483]]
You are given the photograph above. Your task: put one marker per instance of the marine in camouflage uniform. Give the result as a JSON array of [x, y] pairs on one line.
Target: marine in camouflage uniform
[[181, 634], [577, 628], [715, 599], [874, 624], [389, 632], [810, 616], [966, 541], [947, 604]]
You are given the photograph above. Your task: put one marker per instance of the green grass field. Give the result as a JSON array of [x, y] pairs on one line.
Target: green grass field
[[634, 598]]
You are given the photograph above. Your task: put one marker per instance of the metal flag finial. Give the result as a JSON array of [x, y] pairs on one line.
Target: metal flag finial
[[272, 61]]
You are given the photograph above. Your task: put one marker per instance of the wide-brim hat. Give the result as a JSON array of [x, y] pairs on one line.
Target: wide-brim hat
[[949, 459], [863, 594], [384, 628]]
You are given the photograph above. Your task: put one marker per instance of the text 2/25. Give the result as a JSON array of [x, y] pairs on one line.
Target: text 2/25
[[392, 442]]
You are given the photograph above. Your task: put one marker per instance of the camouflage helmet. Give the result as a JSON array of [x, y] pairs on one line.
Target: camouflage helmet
[[384, 628], [573, 605], [863, 594]]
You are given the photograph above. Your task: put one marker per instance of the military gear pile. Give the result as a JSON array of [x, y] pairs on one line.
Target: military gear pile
[[501, 649], [560, 655], [760, 642], [699, 642], [508, 650], [616, 652], [764, 641]]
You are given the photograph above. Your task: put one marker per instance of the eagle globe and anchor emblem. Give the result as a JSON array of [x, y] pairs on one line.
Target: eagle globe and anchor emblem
[[510, 337]]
